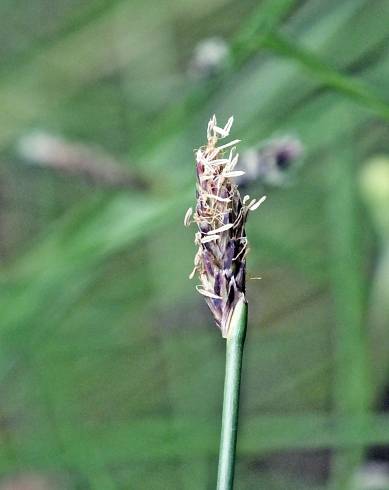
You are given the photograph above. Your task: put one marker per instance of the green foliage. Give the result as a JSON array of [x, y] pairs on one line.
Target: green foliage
[[111, 369]]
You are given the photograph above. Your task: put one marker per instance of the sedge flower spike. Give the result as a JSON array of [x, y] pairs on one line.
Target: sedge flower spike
[[220, 216]]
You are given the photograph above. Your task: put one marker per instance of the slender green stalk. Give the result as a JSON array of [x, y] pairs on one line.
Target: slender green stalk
[[234, 353]]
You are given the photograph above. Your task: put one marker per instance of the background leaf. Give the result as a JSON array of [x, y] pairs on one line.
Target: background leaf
[[111, 370]]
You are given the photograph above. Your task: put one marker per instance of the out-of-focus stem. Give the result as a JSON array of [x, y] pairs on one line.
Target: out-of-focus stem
[[234, 353]]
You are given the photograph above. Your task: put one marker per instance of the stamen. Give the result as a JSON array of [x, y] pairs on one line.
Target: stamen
[[242, 251], [221, 161], [222, 228], [233, 161], [211, 238], [207, 293], [256, 205], [234, 173], [188, 216], [229, 124], [228, 145], [191, 275]]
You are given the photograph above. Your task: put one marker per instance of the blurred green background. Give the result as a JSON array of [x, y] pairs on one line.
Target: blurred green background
[[111, 368]]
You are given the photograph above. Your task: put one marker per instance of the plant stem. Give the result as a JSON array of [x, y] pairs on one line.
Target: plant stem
[[234, 352]]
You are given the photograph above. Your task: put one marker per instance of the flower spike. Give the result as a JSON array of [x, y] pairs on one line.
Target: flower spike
[[220, 216]]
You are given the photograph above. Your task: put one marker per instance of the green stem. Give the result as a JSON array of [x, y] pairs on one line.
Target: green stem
[[234, 352]]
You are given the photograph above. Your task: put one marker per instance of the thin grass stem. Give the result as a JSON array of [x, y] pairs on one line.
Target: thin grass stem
[[229, 432]]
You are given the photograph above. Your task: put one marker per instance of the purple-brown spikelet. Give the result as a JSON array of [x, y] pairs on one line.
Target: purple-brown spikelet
[[220, 216]]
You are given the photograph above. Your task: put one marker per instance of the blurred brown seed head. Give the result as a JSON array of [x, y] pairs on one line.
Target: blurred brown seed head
[[28, 481], [78, 159], [271, 164], [209, 57]]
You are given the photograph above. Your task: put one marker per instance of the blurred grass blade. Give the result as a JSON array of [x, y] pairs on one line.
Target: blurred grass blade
[[329, 77], [352, 387]]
